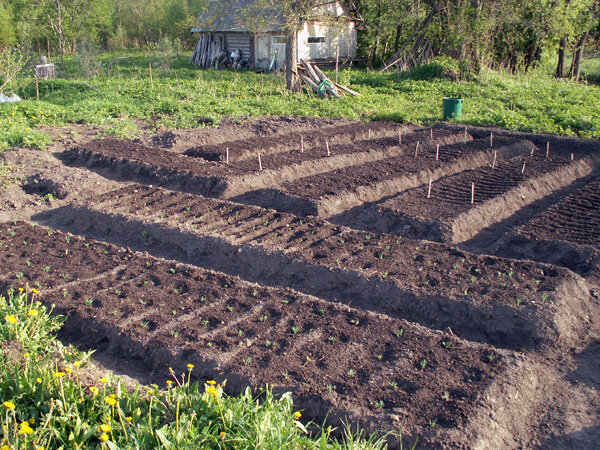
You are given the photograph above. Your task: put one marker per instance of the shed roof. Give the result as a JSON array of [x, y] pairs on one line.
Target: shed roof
[[237, 15]]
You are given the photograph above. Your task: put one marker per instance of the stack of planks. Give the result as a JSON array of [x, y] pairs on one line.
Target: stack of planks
[[320, 83], [202, 52]]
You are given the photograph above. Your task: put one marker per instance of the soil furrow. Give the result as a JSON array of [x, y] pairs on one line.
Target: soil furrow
[[473, 298]]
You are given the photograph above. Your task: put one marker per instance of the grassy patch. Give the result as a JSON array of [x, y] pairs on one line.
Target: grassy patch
[[52, 397], [187, 97]]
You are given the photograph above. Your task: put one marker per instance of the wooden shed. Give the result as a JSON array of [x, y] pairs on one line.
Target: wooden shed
[[230, 25]]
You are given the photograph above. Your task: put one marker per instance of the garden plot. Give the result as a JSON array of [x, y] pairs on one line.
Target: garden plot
[[234, 175], [338, 191], [576, 219], [507, 303], [350, 363], [456, 208], [341, 135]]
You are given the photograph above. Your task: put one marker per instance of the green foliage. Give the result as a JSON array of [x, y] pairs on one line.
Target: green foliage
[[54, 397], [7, 37], [186, 97]]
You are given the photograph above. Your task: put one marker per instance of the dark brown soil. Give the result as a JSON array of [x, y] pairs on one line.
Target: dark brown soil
[[460, 348], [360, 364], [445, 210], [573, 220], [487, 299]]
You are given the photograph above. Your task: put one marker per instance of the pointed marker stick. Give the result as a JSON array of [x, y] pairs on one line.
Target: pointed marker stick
[[429, 190], [437, 153], [227, 155], [472, 193], [523, 169], [417, 148], [327, 143], [259, 162], [495, 156]]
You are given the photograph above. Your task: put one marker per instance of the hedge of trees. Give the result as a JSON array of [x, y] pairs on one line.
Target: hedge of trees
[[514, 34]]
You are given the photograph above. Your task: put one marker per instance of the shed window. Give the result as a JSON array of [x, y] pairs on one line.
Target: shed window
[[316, 39], [278, 40]]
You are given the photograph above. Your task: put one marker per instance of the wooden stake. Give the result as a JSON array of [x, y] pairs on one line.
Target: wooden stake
[[417, 148], [151, 81], [532, 149], [492, 139], [369, 133], [431, 134], [572, 156], [227, 155], [547, 149], [327, 143], [523, 169], [465, 131], [301, 144], [37, 90], [429, 190], [472, 193], [399, 137], [337, 62], [437, 153], [259, 162], [495, 156]]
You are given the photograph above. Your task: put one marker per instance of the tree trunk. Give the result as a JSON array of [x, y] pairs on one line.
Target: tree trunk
[[60, 32], [560, 66], [576, 64], [397, 41], [292, 79]]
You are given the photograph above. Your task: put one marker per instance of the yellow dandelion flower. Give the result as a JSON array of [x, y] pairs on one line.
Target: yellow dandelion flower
[[111, 401], [298, 414], [128, 419], [211, 382], [223, 434], [25, 428], [93, 389], [11, 319], [169, 382], [33, 312], [190, 366], [104, 380], [5, 447], [77, 363], [105, 428], [150, 391], [68, 370], [35, 291], [38, 379], [9, 405], [212, 391], [20, 289], [59, 374], [104, 437], [26, 355], [32, 421], [171, 370]]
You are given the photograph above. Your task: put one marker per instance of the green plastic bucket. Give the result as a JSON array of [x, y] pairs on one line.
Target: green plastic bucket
[[452, 108]]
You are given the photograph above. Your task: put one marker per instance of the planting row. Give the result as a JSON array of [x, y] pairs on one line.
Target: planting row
[[508, 303], [340, 190], [340, 136], [333, 357], [129, 161], [576, 219], [457, 207]]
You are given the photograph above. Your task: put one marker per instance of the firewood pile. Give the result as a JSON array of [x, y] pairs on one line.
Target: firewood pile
[[313, 78]]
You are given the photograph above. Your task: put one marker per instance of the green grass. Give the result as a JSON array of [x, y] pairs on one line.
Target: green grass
[[187, 97], [52, 397]]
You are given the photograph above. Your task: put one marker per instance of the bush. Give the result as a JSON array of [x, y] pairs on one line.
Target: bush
[[12, 62]]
